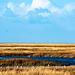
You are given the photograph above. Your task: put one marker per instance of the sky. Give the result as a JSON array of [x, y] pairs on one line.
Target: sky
[[37, 21]]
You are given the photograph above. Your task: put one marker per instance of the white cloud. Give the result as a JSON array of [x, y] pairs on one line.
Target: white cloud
[[11, 6], [20, 10], [70, 7], [53, 9], [22, 4], [45, 14], [23, 9], [44, 4]]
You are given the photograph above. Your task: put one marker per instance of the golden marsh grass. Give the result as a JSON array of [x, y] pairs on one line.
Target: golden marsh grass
[[37, 71], [43, 50]]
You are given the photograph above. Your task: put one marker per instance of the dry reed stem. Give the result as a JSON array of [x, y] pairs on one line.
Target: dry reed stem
[[38, 71]]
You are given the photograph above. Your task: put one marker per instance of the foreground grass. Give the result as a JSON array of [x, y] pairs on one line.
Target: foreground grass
[[37, 71]]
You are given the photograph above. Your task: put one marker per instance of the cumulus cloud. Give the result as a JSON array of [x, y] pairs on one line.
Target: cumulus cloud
[[20, 10], [44, 4], [24, 9]]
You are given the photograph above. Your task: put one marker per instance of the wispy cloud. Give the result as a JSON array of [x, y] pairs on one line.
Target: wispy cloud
[[10, 5], [22, 5], [2, 12], [70, 7], [45, 14]]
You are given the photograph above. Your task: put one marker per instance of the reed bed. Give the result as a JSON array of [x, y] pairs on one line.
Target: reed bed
[[40, 50]]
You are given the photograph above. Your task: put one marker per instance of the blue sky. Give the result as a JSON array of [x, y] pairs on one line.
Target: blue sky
[[37, 21]]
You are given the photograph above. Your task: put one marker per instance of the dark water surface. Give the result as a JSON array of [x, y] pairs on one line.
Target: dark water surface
[[70, 61]]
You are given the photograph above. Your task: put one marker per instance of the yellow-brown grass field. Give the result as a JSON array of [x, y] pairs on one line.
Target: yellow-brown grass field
[[41, 50], [37, 71]]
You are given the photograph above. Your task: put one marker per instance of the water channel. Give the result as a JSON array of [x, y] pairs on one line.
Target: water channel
[[70, 61]]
